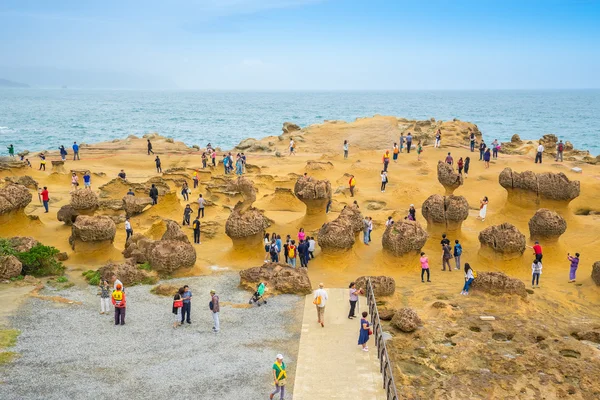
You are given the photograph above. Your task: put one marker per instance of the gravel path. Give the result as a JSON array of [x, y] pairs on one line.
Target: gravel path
[[71, 351]]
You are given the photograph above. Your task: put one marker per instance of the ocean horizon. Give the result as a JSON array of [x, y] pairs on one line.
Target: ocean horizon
[[41, 119]]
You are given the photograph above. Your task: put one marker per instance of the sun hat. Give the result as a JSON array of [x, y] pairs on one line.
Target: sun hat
[[280, 357], [213, 291]]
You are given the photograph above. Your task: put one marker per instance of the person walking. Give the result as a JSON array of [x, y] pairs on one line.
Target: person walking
[[63, 153], [292, 253], [472, 140], [87, 180], [346, 147], [204, 159], [483, 204], [402, 139], [177, 306], [312, 245], [352, 184], [119, 301], [320, 300], [395, 152], [215, 308], [438, 139], [560, 148], [574, 264], [150, 147], [302, 246], [239, 167], [154, 194], [449, 160], [75, 151], [495, 148], [201, 204], [187, 212], [195, 178], [11, 150], [457, 253], [486, 158], [158, 164], [366, 231], [537, 250], [187, 304], [279, 377], [419, 150], [185, 191], [354, 292], [482, 147], [446, 257], [386, 160], [196, 228], [213, 156], [365, 332], [469, 278], [408, 142], [536, 271], [460, 164], [42, 162], [128, 229], [384, 181], [104, 297], [291, 146], [45, 198], [538, 154], [467, 165], [424, 260]]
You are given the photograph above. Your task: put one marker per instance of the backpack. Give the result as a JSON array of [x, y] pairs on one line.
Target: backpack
[[474, 273], [458, 249], [291, 251], [196, 225], [273, 249], [561, 147]]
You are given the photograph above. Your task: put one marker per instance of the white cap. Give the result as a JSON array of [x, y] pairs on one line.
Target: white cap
[[412, 205], [279, 356]]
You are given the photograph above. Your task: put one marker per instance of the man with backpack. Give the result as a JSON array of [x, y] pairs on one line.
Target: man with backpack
[[457, 253], [560, 147], [196, 228], [274, 251], [320, 299]]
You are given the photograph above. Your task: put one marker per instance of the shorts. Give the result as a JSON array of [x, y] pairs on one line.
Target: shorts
[[87, 184], [267, 248]]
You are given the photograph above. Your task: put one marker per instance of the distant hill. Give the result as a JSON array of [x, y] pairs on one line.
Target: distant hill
[[11, 84]]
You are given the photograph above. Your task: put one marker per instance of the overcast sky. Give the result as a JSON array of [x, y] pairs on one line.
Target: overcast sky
[[304, 44]]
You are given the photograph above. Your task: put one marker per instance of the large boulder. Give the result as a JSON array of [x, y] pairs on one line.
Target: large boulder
[[596, 273], [246, 188], [314, 193], [92, 229], [249, 223], [404, 237], [504, 238], [127, 272], [547, 185], [26, 181], [352, 216], [289, 127], [67, 214], [498, 283], [406, 319], [23, 243], [84, 199], [134, 205], [174, 232], [449, 178], [449, 211], [165, 256], [547, 224], [14, 197], [280, 278], [382, 285], [10, 267], [336, 234]]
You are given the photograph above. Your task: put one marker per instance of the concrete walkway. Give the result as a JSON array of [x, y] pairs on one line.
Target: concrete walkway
[[331, 365]]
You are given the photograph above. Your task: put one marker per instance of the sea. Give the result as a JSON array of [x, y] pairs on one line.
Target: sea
[[38, 119]]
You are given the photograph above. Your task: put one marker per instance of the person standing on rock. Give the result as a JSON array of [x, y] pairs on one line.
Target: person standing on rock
[[536, 271], [472, 142], [495, 147], [438, 139], [486, 158], [45, 198], [195, 178], [370, 228], [74, 181], [537, 251], [11, 150], [75, 151], [449, 160], [424, 260], [539, 152], [365, 332], [457, 253], [483, 203], [213, 156], [201, 203], [386, 160], [87, 180], [279, 243], [42, 162], [154, 194], [352, 184], [204, 160], [104, 297], [187, 305], [302, 246], [122, 174], [408, 142], [482, 147], [158, 164], [560, 147], [366, 231], [279, 376], [384, 181], [469, 278], [444, 242], [128, 229], [185, 191], [286, 246], [320, 300], [215, 308], [395, 152], [177, 306], [187, 212], [467, 165], [419, 151], [150, 147], [574, 264], [273, 250], [118, 300], [196, 228], [402, 141], [346, 147], [311, 246], [446, 257]]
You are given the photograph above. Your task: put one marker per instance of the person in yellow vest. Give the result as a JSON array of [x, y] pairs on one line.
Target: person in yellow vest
[[352, 184], [386, 160], [118, 300], [279, 375]]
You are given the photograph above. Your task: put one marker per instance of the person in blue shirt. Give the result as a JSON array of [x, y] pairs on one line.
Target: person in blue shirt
[[75, 151], [63, 153], [408, 142], [87, 180], [187, 304], [457, 253]]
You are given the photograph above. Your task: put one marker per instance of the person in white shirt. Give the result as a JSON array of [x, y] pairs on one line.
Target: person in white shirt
[[389, 222], [128, 228], [117, 282], [311, 246], [538, 155], [320, 300], [292, 146], [201, 204]]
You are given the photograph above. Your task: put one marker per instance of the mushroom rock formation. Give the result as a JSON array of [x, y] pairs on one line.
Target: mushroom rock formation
[[13, 197], [26, 181], [449, 211], [10, 267], [504, 238], [516, 139], [84, 199], [596, 273], [450, 179], [246, 223], [58, 166], [244, 186], [498, 283], [280, 278], [353, 216], [547, 185], [314, 193], [336, 234], [134, 205], [404, 237], [406, 319], [382, 285], [67, 214], [94, 229], [23, 243], [547, 224]]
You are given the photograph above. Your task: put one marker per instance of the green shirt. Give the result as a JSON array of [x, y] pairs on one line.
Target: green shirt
[[261, 289], [280, 370]]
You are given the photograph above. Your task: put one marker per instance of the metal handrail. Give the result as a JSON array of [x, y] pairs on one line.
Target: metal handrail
[[385, 366]]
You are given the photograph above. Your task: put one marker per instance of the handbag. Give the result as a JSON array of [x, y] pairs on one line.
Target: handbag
[[178, 303], [281, 382], [370, 331]]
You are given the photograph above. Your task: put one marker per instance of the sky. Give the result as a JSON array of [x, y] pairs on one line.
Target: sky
[[302, 44]]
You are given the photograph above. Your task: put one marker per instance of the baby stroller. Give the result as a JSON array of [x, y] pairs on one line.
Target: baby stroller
[[258, 296]]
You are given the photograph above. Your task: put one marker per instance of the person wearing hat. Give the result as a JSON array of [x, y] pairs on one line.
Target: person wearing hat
[[118, 300], [215, 308], [320, 299], [279, 376]]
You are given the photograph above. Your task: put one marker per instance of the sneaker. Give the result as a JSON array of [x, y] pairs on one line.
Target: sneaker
[[322, 325], [428, 280], [422, 281], [365, 349]]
